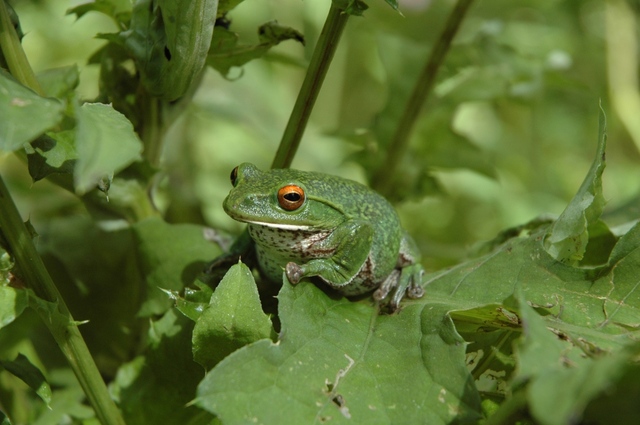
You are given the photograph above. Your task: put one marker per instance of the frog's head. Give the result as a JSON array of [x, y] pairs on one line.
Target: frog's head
[[282, 198]]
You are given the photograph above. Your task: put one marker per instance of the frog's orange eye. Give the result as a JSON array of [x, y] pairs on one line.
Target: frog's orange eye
[[291, 197], [234, 176]]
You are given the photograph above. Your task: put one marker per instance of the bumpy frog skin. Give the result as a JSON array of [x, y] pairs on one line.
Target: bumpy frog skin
[[313, 224]]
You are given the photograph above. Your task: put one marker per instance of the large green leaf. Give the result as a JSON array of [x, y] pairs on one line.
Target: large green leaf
[[25, 115], [342, 361], [105, 143]]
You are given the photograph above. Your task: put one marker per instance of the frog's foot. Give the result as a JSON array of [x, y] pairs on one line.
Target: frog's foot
[[294, 272], [400, 283]]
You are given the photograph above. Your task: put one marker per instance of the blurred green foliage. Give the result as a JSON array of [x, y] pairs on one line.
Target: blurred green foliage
[[507, 135]]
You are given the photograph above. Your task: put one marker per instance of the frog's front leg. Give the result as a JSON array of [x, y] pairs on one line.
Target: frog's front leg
[[338, 258]]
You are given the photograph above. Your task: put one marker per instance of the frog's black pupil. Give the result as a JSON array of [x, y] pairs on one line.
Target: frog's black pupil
[[292, 196], [234, 176]]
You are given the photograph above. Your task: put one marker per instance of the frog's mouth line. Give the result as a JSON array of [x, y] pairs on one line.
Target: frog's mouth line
[[279, 225]]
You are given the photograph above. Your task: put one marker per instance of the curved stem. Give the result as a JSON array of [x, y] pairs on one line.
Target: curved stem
[[54, 312], [400, 140], [14, 54], [320, 61]]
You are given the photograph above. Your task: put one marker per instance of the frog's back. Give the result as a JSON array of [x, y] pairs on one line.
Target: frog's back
[[357, 201]]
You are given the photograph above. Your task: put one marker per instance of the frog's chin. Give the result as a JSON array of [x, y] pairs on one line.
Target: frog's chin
[[282, 226]]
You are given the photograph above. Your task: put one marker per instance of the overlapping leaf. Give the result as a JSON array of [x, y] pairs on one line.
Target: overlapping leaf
[[105, 142]]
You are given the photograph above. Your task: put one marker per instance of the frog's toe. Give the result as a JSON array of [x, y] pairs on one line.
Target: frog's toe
[[415, 291], [387, 286], [294, 272]]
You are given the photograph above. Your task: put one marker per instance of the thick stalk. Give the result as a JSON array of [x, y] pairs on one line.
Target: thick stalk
[[14, 54], [61, 323], [381, 180], [320, 61]]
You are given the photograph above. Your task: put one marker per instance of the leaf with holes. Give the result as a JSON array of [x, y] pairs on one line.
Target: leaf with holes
[[342, 361]]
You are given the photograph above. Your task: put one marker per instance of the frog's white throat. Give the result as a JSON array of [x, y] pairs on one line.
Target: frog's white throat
[[282, 226]]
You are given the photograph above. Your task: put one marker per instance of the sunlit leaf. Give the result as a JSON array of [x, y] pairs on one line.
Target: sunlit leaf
[[233, 318], [25, 115], [568, 238]]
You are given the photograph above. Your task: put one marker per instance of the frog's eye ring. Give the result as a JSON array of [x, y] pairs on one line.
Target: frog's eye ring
[[234, 176], [291, 197]]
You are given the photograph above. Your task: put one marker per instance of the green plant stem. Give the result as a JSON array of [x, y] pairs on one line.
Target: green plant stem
[[400, 140], [14, 54], [151, 132], [320, 61], [61, 324]]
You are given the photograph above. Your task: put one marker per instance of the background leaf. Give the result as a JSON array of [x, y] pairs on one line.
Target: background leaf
[[156, 387], [567, 239], [30, 374], [170, 257], [226, 51], [18, 107], [105, 142]]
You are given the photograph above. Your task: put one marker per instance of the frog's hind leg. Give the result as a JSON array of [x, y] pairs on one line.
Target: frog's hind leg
[[406, 281]]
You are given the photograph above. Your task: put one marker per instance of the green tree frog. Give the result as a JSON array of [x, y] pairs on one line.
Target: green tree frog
[[312, 224]]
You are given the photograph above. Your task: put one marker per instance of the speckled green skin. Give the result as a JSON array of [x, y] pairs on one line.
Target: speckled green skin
[[345, 233]]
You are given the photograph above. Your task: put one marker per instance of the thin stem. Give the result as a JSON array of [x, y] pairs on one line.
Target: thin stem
[[61, 323], [400, 140], [14, 54], [320, 61]]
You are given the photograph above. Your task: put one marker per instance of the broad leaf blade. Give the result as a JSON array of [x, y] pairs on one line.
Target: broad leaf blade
[[25, 115], [342, 361], [567, 239]]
